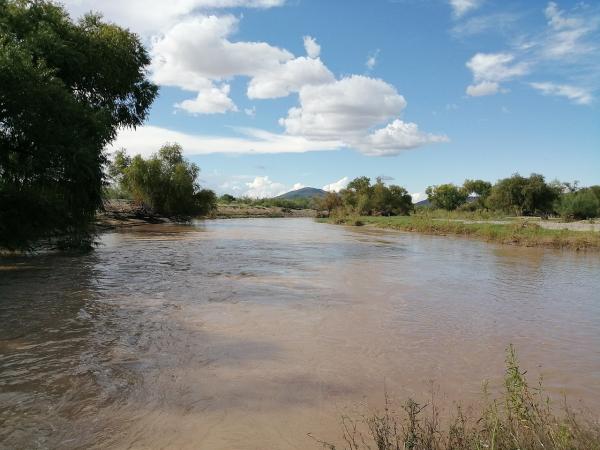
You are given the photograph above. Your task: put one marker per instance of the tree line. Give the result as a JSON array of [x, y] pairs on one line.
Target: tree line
[[515, 195]]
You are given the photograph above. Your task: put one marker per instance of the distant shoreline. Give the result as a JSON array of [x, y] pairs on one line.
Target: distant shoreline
[[125, 214], [521, 232]]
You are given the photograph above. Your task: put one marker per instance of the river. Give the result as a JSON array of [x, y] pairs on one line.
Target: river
[[249, 334]]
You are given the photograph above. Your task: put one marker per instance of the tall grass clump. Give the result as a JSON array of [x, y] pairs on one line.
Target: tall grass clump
[[520, 418]]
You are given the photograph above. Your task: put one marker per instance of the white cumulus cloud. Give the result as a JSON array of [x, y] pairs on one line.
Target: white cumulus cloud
[[337, 186], [198, 52], [418, 196], [344, 108], [289, 77], [313, 50], [151, 16], [209, 101], [350, 109], [483, 88], [395, 137], [262, 187]]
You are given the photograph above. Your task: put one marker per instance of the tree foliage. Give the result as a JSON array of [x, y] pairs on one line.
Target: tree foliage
[[580, 204], [165, 182], [65, 89], [378, 199], [524, 196], [446, 196]]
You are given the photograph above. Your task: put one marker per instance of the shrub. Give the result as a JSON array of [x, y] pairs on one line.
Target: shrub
[[582, 204]]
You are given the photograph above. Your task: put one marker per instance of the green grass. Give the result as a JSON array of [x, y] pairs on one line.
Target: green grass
[[521, 418], [520, 232]]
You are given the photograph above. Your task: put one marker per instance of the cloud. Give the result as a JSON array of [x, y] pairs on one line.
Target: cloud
[[566, 47], [289, 77], [372, 60], [489, 69], [495, 67], [565, 37], [337, 186], [575, 94], [483, 88], [297, 186], [313, 50], [250, 112], [497, 22], [198, 52], [395, 137], [343, 109], [462, 7], [147, 139], [418, 196], [262, 187], [150, 16], [350, 110], [209, 101]]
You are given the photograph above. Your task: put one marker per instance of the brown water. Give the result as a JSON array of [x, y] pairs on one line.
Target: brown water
[[249, 334]]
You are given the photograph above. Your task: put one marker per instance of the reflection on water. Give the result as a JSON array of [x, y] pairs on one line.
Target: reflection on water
[[248, 334]]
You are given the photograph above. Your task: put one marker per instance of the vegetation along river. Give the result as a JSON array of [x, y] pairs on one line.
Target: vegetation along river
[[249, 334]]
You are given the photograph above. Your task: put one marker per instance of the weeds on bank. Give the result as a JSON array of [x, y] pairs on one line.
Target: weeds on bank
[[522, 418], [521, 232]]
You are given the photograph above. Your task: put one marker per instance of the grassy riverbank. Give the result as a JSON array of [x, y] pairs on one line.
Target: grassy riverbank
[[521, 417], [519, 232]]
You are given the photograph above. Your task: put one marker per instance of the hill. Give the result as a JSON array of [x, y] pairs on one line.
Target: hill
[[306, 192]]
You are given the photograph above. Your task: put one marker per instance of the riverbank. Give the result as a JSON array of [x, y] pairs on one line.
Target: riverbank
[[519, 232], [242, 211], [125, 213]]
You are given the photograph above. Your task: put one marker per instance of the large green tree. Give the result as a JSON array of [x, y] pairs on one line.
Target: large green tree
[[524, 196], [165, 182], [446, 196], [65, 90]]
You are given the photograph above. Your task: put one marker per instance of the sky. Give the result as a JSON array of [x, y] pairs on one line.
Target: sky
[[272, 95]]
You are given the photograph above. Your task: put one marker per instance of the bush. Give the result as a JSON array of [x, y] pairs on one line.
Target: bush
[[582, 204]]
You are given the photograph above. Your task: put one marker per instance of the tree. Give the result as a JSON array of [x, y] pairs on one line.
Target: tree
[[581, 204], [65, 90], [446, 196], [330, 202], [479, 187], [227, 199], [524, 196], [400, 201], [165, 183]]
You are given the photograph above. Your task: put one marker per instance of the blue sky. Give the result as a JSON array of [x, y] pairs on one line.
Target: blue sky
[[267, 95]]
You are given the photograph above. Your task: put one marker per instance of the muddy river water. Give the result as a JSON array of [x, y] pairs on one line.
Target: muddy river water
[[249, 334]]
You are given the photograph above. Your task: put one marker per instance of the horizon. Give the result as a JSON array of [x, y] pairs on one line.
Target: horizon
[[485, 90]]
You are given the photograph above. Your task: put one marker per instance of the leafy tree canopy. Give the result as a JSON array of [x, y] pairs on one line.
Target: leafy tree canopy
[[65, 89], [524, 196], [165, 183], [446, 196]]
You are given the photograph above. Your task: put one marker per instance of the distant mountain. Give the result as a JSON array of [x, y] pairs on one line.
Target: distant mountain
[[306, 192]]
